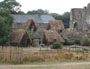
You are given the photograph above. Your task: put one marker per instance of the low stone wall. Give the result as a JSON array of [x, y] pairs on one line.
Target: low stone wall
[[74, 35]]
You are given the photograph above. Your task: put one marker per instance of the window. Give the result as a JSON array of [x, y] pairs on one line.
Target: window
[[76, 25]]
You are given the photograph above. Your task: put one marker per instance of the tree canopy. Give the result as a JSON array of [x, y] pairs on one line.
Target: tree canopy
[[65, 18], [39, 11], [5, 26], [11, 5]]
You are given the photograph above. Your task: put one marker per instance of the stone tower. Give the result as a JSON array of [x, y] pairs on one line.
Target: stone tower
[[80, 18]]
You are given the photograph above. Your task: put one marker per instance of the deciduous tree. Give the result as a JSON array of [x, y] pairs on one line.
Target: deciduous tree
[[5, 26], [11, 5]]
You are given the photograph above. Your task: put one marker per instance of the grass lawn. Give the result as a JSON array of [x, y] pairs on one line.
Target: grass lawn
[[59, 67], [68, 64], [55, 62], [42, 63]]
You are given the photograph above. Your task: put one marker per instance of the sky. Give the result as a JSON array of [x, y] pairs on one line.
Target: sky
[[53, 6]]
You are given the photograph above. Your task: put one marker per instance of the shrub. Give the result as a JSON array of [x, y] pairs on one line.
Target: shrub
[[77, 42], [68, 42], [85, 41], [57, 45]]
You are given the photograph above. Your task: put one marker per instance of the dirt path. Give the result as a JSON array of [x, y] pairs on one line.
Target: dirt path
[[53, 65]]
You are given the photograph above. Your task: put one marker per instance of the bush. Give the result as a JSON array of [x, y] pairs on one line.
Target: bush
[[85, 41], [57, 45], [68, 42], [77, 42]]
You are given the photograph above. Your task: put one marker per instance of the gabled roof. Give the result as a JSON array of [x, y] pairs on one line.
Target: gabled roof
[[56, 25], [16, 36], [30, 25], [36, 18], [50, 36]]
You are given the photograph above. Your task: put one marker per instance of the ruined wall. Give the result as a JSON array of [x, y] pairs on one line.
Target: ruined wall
[[75, 17], [72, 35], [88, 15], [81, 16]]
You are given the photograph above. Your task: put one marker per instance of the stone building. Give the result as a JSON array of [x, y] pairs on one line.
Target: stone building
[[41, 21], [20, 20], [80, 18]]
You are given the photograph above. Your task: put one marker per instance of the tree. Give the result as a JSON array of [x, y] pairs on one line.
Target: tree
[[56, 16], [5, 26], [85, 40], [20, 12], [39, 11], [65, 18], [11, 5]]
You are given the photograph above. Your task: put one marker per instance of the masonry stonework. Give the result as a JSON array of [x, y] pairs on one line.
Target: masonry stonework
[[80, 18]]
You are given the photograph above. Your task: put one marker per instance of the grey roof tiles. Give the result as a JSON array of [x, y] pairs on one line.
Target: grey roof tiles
[[36, 18]]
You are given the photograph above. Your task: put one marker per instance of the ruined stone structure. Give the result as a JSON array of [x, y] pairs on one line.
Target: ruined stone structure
[[80, 18]]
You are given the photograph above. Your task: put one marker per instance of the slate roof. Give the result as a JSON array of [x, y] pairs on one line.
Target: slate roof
[[36, 18], [46, 18]]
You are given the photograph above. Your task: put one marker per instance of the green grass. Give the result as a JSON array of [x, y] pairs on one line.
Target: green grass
[[56, 62], [40, 63], [7, 62]]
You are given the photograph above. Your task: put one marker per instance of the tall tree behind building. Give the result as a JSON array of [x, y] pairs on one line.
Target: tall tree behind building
[[65, 18], [39, 11], [5, 26]]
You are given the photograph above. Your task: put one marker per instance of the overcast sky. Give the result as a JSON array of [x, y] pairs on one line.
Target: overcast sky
[[55, 6]]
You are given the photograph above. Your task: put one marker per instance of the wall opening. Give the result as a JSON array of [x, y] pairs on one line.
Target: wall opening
[[75, 25]]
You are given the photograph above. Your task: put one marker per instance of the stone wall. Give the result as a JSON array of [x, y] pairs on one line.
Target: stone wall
[[18, 25], [38, 35], [81, 17], [41, 27], [72, 35]]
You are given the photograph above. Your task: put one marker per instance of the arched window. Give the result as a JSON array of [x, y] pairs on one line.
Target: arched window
[[75, 25]]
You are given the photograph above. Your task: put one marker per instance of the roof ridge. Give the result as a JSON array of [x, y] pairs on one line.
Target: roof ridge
[[25, 14]]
